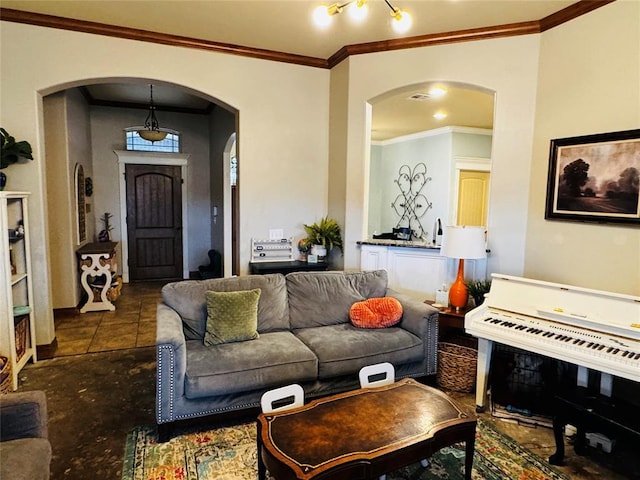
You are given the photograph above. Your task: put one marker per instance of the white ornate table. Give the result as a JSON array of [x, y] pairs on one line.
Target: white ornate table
[[98, 260]]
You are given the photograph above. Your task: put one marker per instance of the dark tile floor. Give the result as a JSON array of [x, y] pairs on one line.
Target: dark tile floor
[[101, 384]]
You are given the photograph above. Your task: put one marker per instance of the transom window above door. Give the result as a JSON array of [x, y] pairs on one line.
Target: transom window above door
[[170, 144]]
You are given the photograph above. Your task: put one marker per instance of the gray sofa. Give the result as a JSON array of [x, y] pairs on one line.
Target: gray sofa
[[25, 451], [305, 337]]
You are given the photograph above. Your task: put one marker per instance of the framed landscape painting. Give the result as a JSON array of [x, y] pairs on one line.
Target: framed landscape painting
[[595, 178]]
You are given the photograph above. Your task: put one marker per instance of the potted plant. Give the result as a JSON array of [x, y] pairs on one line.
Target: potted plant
[[477, 289], [12, 151], [304, 247], [325, 234]]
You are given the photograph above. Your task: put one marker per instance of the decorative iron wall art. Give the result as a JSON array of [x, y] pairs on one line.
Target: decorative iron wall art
[[411, 204]]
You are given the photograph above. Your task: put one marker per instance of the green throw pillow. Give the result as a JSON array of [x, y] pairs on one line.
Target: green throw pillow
[[232, 316]]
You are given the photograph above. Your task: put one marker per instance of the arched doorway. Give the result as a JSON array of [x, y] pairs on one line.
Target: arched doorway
[[81, 128]]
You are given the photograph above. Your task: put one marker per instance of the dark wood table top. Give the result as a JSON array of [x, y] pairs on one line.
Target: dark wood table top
[[363, 425]]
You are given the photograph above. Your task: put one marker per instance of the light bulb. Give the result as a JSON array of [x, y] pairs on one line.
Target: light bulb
[[321, 16], [400, 20], [358, 10], [440, 115], [437, 92]]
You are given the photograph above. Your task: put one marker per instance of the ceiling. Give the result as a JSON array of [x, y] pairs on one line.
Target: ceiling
[[286, 26]]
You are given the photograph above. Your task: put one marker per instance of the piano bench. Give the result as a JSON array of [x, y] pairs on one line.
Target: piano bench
[[590, 412]]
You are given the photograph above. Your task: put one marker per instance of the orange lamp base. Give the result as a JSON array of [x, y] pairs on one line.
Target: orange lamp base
[[458, 293]]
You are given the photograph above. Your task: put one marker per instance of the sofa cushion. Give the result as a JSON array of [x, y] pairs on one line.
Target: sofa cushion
[[344, 349], [25, 459], [188, 299], [231, 316], [273, 359], [324, 298], [378, 312]]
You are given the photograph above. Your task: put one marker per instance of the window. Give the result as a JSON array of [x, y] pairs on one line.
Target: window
[[234, 164], [170, 144]]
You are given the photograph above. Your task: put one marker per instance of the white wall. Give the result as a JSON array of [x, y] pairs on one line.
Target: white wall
[[589, 82], [284, 123], [506, 66]]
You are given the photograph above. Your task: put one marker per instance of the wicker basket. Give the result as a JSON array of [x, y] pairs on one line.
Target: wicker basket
[[21, 331], [456, 367], [5, 375]]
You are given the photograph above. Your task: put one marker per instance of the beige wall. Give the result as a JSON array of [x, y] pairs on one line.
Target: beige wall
[[284, 130], [506, 66], [284, 121], [589, 82]]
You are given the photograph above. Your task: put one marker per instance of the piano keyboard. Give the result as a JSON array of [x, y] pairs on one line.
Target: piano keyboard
[[576, 345], [572, 338]]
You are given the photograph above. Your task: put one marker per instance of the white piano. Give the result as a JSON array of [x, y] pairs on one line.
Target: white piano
[[590, 328]]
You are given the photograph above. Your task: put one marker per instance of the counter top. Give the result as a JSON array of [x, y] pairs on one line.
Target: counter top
[[398, 243]]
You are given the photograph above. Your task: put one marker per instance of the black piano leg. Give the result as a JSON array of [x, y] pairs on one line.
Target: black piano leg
[[558, 434], [579, 445]]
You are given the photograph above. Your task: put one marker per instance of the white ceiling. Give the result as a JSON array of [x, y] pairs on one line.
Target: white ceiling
[[286, 26]]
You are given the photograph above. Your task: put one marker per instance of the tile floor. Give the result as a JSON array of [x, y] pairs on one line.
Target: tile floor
[[132, 324]]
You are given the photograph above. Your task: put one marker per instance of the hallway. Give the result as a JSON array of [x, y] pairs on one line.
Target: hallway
[[131, 325]]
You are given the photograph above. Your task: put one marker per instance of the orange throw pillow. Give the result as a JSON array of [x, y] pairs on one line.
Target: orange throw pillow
[[376, 313]]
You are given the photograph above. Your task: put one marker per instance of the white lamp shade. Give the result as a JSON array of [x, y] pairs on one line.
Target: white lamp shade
[[464, 242]]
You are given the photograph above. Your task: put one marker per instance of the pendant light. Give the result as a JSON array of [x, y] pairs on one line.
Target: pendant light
[[151, 131]]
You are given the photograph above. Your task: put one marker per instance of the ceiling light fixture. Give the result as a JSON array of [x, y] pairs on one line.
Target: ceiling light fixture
[[151, 131], [400, 19], [322, 15], [437, 92], [358, 10], [440, 115]]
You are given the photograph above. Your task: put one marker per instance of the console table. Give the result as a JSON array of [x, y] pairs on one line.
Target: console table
[[99, 267], [262, 268]]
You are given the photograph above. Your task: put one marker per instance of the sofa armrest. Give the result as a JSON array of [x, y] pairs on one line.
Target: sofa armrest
[[23, 415], [415, 313], [171, 352], [420, 319]]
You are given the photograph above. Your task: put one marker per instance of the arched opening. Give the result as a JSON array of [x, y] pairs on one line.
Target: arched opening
[[425, 140], [85, 122]]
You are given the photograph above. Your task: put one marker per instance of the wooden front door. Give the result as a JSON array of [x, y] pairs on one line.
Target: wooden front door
[[154, 221]]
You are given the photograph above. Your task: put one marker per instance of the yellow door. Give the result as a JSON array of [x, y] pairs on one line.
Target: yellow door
[[473, 197]]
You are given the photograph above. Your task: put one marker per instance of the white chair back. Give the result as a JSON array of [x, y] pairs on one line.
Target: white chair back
[[270, 397], [370, 371]]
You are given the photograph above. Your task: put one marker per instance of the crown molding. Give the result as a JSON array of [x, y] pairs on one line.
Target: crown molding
[[433, 133], [509, 30], [62, 23]]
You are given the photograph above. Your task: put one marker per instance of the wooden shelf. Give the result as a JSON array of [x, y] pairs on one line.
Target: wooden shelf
[[17, 339]]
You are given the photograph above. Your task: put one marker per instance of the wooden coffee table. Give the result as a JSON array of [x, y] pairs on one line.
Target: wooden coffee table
[[362, 434]]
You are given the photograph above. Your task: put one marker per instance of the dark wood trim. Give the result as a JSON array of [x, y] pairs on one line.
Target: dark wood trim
[[571, 12], [142, 106], [19, 16], [509, 30], [524, 28]]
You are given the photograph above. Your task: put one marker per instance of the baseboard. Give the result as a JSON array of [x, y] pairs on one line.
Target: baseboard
[[45, 352]]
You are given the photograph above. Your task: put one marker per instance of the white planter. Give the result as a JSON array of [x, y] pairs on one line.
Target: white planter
[[320, 251]]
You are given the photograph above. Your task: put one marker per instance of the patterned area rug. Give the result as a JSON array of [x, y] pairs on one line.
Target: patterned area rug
[[229, 453]]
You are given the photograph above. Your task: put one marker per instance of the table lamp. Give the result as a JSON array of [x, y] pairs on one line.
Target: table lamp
[[462, 242]]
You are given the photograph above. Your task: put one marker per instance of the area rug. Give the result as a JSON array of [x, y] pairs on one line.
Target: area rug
[[229, 453]]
